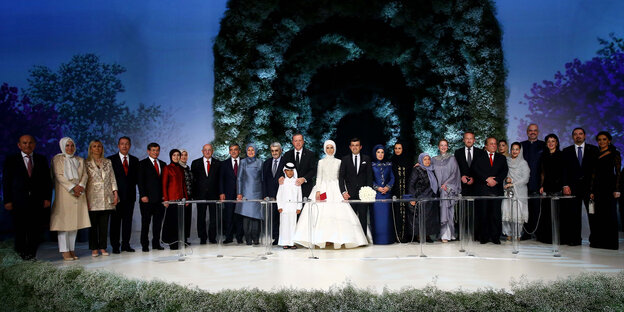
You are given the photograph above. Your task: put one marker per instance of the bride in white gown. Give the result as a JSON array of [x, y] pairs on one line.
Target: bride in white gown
[[331, 220]]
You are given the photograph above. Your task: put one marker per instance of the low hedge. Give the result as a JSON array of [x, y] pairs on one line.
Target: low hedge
[[41, 286]]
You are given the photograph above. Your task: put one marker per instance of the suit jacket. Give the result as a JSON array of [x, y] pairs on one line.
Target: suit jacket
[[578, 177], [351, 180], [271, 183], [20, 189], [227, 179], [205, 186], [464, 169], [481, 170], [126, 184], [306, 168], [149, 182]]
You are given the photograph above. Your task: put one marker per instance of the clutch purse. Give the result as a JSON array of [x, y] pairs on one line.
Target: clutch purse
[[323, 196]]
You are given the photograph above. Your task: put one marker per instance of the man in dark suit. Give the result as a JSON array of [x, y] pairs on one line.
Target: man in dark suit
[[579, 160], [151, 193], [465, 157], [489, 170], [272, 170], [206, 187], [356, 172], [532, 150], [27, 192], [232, 222], [126, 169], [305, 162]]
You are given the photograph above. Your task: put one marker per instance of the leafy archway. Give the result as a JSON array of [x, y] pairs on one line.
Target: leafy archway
[[273, 59]]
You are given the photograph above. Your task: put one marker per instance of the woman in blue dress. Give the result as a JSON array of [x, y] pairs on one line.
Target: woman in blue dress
[[249, 186], [381, 215]]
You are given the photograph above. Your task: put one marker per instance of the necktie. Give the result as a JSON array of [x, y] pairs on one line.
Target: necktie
[[580, 156], [30, 165], [355, 163], [297, 158], [207, 167], [156, 167], [235, 167], [274, 167], [491, 160], [125, 164], [469, 160]]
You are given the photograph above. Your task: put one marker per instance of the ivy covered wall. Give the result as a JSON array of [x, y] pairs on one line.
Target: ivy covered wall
[[426, 70]]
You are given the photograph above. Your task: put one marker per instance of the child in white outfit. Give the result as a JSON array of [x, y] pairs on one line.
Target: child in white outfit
[[288, 196]]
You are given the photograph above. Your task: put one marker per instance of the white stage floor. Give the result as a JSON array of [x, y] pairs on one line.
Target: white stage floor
[[372, 267]]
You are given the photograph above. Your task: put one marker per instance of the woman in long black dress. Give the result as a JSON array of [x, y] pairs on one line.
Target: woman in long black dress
[[604, 191], [402, 165], [424, 184], [551, 184]]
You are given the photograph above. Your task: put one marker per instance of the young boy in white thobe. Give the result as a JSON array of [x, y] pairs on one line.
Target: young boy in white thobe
[[288, 196]]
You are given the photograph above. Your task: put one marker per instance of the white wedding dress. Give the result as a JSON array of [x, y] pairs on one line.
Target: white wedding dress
[[330, 220]]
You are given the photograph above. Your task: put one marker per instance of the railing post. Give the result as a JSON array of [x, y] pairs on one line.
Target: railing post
[[181, 238], [554, 216]]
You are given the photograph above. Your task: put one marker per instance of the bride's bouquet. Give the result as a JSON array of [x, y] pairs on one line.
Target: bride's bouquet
[[367, 193]]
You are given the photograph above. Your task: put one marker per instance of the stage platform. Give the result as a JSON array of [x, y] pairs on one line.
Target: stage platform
[[373, 267]]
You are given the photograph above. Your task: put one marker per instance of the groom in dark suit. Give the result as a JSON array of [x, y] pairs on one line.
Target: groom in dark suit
[[126, 169], [27, 192], [355, 173], [579, 160], [489, 170]]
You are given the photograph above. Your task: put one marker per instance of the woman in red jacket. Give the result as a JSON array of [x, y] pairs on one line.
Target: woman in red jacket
[[174, 188]]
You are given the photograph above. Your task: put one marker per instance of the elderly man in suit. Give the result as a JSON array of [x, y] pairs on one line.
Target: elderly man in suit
[[489, 171], [151, 193], [126, 169], [206, 187], [579, 160], [356, 172], [465, 157], [271, 173], [27, 191], [305, 162]]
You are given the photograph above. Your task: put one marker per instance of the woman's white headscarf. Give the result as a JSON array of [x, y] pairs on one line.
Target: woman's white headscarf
[[332, 143], [181, 163], [71, 163]]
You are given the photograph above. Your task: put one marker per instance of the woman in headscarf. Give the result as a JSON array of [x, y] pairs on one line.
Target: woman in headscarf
[[188, 179], [333, 222], [101, 196], [449, 177], [381, 215], [517, 179], [69, 211], [174, 188], [424, 184], [402, 165], [249, 186]]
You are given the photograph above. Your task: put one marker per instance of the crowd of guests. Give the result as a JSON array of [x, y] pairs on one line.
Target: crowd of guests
[[98, 191]]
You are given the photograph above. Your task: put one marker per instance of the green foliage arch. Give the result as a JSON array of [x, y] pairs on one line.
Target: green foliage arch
[[426, 69]]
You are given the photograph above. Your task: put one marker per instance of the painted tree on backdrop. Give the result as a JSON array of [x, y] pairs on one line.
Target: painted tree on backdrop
[[84, 91], [588, 94]]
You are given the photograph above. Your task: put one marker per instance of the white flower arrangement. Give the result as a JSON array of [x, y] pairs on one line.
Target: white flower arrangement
[[367, 193]]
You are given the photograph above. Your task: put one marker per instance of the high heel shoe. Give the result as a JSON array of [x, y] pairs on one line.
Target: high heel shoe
[[67, 256], [71, 253], [104, 252]]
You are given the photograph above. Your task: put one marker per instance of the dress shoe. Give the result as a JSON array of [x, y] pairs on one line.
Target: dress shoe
[[248, 243], [145, 249], [213, 241], [202, 242], [274, 242], [187, 243], [128, 249], [256, 243], [483, 242], [116, 251], [158, 247], [227, 241], [496, 241]]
